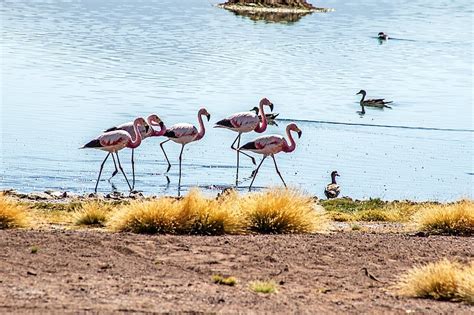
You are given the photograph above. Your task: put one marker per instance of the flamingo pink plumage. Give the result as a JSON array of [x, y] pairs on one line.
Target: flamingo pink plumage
[[184, 133], [271, 145], [114, 141], [146, 131], [245, 122]]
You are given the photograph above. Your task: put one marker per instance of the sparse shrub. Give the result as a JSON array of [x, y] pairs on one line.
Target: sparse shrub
[[443, 280], [263, 286], [451, 219], [281, 211], [34, 250], [230, 281], [356, 227], [12, 214], [193, 214], [92, 213]]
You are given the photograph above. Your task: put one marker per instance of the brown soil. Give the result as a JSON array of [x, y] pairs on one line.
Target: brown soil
[[106, 272]]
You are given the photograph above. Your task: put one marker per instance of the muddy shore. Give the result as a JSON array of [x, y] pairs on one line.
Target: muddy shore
[[87, 270]]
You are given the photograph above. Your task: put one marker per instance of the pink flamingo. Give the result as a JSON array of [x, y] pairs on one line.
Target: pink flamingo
[[146, 131], [183, 134], [245, 122], [271, 145], [114, 141]]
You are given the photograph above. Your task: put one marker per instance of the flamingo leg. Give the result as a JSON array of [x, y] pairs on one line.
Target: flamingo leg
[[100, 172], [180, 159], [133, 169], [276, 167], [116, 169], [237, 174], [121, 169], [167, 160], [256, 171], [240, 152]]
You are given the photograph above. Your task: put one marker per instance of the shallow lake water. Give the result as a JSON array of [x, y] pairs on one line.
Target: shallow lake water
[[70, 69]]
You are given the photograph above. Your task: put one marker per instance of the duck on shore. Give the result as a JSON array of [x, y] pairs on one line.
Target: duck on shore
[[332, 189], [376, 102]]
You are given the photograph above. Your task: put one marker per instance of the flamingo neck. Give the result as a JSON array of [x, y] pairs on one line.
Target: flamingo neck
[[292, 146], [158, 133], [202, 130], [262, 126], [138, 137]]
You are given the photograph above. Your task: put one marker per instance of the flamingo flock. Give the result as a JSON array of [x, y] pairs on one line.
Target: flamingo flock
[[131, 134]]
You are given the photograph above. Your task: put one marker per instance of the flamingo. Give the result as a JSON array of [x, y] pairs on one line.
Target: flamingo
[[114, 141], [271, 145], [184, 133], [145, 131], [245, 122]]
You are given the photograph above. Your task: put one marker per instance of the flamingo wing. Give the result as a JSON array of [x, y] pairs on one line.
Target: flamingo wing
[[181, 130]]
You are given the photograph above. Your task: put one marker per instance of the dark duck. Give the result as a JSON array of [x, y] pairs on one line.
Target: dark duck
[[332, 189]]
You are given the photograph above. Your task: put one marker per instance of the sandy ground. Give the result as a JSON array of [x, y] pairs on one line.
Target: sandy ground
[[102, 272]]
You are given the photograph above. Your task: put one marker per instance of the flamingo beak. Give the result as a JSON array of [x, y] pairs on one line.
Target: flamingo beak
[[271, 106], [208, 117], [300, 133]]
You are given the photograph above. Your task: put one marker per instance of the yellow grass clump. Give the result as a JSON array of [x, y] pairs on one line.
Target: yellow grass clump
[[193, 214], [443, 280], [451, 219], [264, 286], [282, 211], [230, 281], [92, 213], [12, 214]]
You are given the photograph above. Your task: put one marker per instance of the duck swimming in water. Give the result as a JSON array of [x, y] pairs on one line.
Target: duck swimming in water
[[270, 117], [332, 190], [382, 36], [376, 102]]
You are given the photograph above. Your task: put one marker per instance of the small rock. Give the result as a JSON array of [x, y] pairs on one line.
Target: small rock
[[39, 196], [31, 273], [54, 193]]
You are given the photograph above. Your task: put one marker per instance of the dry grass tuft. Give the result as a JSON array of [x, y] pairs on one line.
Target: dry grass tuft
[[230, 281], [193, 214], [282, 211], [92, 213], [264, 286], [443, 280], [12, 214], [451, 219]]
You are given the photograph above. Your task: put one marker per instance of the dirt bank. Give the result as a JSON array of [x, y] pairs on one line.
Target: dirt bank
[[107, 272]]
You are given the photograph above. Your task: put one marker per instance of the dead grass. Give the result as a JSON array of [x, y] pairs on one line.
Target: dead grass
[[12, 214], [230, 281], [92, 213], [443, 280], [278, 211], [264, 286], [193, 214], [451, 219]]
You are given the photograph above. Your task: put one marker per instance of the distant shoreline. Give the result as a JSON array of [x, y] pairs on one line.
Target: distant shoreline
[[249, 8]]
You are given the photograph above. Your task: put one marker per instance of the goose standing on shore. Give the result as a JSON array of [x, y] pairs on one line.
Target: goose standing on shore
[[332, 189]]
